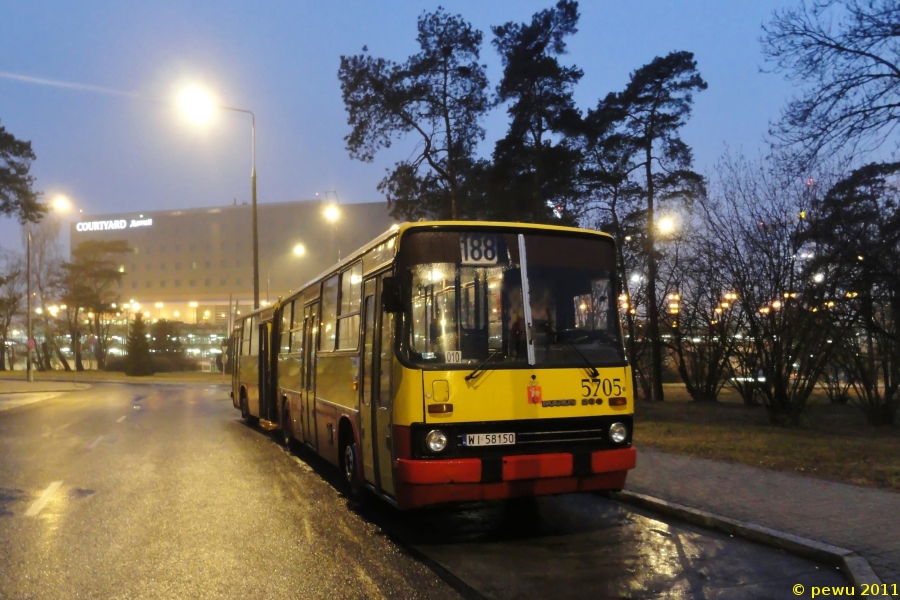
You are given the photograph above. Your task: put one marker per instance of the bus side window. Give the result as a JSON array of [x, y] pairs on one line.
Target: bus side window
[[286, 329], [254, 335], [368, 343], [386, 349], [348, 320], [246, 336], [329, 314]]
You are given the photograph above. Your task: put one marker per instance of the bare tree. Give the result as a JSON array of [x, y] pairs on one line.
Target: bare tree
[[756, 219], [704, 320], [12, 292], [845, 54], [46, 266]]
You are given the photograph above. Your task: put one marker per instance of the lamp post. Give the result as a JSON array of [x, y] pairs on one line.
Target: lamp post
[[199, 106], [29, 368]]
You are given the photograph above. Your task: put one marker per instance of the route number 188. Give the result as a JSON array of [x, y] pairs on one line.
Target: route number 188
[[478, 249]]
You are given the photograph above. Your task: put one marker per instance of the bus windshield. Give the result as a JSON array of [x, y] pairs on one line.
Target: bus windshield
[[468, 300]]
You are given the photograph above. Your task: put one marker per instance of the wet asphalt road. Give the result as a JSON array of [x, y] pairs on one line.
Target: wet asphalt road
[[138, 491]]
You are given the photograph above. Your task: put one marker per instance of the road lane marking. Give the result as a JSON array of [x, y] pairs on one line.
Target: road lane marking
[[372, 587], [10, 401], [95, 442], [120, 419], [41, 502]]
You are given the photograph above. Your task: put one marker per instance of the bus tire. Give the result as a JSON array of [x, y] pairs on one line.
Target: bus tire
[[287, 430], [350, 468], [245, 411]]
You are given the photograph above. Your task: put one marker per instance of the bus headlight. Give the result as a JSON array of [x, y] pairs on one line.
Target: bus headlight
[[436, 440], [617, 433]]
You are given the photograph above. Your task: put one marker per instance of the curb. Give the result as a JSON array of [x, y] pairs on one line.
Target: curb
[[854, 566], [127, 382], [80, 387]]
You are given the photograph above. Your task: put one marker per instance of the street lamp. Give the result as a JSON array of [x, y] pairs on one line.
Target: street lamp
[[666, 225], [199, 106]]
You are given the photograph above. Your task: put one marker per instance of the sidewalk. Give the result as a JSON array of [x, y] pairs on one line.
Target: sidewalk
[[864, 520], [20, 386]]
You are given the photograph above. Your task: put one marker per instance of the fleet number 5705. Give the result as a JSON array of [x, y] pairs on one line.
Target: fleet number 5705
[[609, 387]]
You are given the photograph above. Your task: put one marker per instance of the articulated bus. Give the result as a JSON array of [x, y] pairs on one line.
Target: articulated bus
[[450, 362]]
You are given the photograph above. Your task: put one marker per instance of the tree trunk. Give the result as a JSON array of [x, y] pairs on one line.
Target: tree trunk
[[45, 355], [76, 348], [652, 309], [62, 359]]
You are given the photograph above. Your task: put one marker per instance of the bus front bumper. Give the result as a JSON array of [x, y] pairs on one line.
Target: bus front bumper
[[425, 482]]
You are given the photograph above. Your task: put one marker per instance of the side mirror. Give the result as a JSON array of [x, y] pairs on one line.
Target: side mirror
[[391, 296]]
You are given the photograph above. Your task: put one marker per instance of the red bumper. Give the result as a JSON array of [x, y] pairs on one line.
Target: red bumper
[[424, 482]]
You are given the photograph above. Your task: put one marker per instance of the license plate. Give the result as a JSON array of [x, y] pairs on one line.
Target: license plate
[[489, 439]]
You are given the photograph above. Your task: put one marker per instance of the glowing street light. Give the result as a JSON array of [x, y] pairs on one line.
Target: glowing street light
[[197, 104], [299, 250], [61, 204], [331, 213], [666, 225]]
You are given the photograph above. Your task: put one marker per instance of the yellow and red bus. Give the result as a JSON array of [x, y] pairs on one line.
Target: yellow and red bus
[[450, 362]]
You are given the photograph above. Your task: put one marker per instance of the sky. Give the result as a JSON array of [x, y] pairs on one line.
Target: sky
[[132, 151]]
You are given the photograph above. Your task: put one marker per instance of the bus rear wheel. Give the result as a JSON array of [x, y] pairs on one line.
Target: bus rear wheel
[[245, 412], [350, 471]]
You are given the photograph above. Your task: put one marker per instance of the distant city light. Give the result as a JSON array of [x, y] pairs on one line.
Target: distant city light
[[819, 277]]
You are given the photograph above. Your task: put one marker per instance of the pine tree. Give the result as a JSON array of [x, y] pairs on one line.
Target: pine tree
[[138, 347]]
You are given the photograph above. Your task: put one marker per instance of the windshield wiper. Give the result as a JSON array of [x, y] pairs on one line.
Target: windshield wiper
[[478, 370], [591, 370]]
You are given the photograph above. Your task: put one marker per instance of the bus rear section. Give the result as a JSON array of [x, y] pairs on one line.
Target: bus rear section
[[511, 378]]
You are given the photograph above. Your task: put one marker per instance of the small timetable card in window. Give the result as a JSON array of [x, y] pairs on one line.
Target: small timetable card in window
[[479, 248]]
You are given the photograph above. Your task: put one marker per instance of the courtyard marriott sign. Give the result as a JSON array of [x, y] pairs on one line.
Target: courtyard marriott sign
[[114, 224]]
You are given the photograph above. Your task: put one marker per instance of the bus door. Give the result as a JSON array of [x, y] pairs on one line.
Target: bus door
[[367, 407], [308, 396], [263, 362], [382, 397]]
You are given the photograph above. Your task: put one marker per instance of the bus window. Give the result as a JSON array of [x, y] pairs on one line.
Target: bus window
[[386, 350], [348, 320], [254, 335], [329, 314], [286, 328], [246, 338], [467, 302]]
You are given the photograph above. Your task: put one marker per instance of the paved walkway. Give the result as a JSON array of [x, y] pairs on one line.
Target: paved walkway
[[862, 519]]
